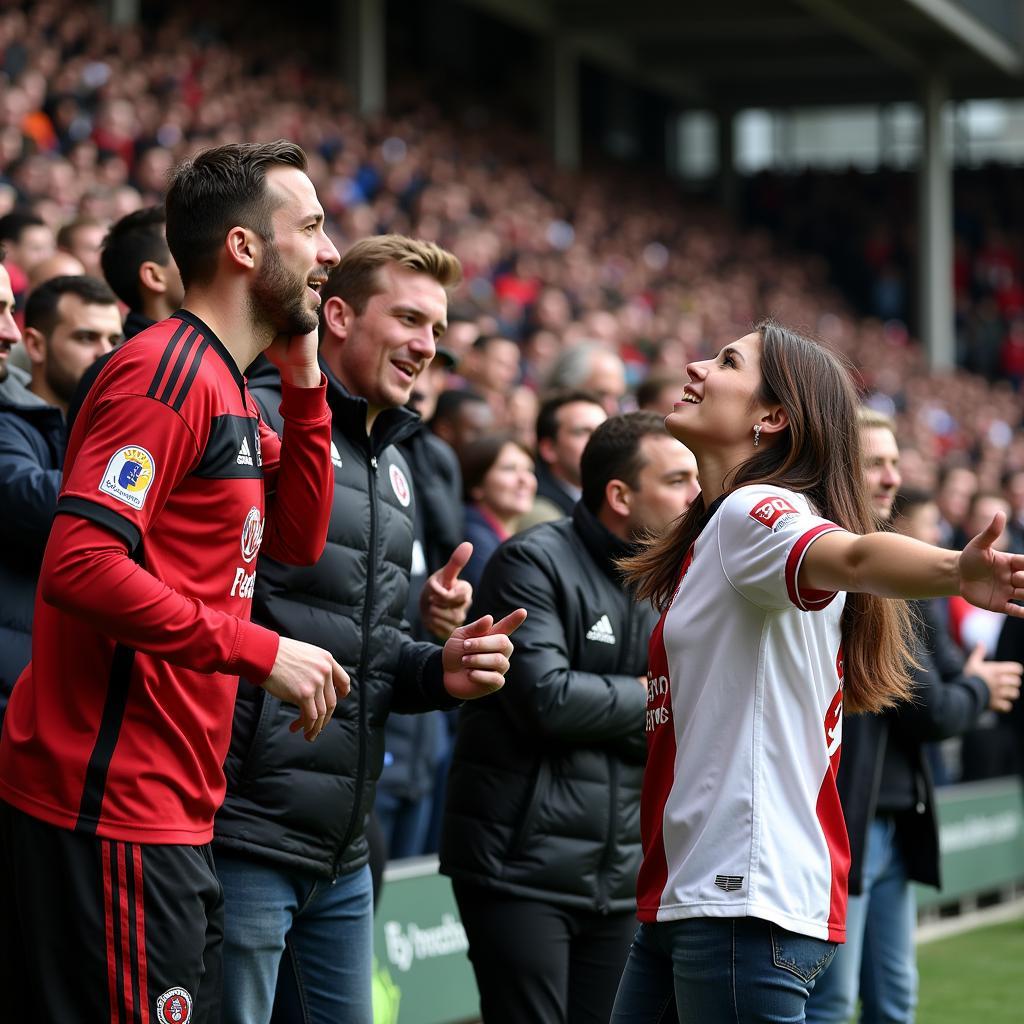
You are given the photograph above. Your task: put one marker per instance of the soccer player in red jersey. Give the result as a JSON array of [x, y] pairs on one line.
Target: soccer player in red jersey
[[114, 739]]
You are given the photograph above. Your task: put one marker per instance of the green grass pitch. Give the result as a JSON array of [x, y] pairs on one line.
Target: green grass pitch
[[976, 976]]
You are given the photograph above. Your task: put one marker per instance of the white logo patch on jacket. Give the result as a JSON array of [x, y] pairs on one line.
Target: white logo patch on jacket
[[602, 631]]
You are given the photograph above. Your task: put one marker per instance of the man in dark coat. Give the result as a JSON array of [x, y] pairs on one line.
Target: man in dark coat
[[564, 424], [885, 781], [542, 822], [410, 791], [289, 841], [69, 323]]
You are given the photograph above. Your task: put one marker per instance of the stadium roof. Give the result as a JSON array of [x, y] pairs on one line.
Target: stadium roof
[[741, 53]]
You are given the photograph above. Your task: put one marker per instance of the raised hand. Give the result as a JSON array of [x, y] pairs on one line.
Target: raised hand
[[1001, 677], [445, 599], [476, 657], [295, 357], [310, 678], [989, 578]]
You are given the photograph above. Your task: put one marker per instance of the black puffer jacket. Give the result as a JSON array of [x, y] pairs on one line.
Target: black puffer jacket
[[544, 790], [303, 804]]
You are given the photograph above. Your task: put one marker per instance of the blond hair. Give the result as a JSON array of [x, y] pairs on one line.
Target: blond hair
[[356, 280], [870, 419]]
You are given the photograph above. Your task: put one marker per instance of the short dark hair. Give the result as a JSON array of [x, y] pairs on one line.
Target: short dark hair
[[136, 238], [654, 383], [613, 453], [66, 235], [477, 458], [450, 402], [483, 341], [547, 416], [14, 223], [216, 190], [908, 500], [41, 305]]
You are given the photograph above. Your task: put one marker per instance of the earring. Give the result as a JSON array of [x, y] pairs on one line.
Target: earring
[[757, 434]]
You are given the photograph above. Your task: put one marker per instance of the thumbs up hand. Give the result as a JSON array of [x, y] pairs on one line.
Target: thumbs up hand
[[476, 657], [445, 599]]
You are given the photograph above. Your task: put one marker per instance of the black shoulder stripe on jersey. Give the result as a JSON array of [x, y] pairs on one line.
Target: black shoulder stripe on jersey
[[102, 516], [179, 365], [114, 707], [191, 376], [166, 358], [225, 457]]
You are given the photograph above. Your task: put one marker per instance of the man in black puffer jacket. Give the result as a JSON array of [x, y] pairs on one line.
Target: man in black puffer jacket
[[542, 822], [289, 840]]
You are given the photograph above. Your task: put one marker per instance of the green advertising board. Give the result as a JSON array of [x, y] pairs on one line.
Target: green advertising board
[[981, 840], [423, 974]]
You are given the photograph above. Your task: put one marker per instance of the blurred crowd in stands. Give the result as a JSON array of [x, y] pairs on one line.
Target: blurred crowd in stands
[[604, 282]]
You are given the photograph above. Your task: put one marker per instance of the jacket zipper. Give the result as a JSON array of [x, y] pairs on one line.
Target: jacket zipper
[[613, 780], [371, 573]]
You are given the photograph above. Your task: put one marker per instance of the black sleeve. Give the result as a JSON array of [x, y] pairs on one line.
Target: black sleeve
[[28, 487], [542, 692], [940, 707], [419, 680], [934, 630]]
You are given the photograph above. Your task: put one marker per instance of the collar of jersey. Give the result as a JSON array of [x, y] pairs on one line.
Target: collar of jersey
[[215, 343]]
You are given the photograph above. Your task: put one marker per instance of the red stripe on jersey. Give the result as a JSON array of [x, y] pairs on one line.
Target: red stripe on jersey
[[126, 959], [140, 933], [833, 823], [659, 774], [806, 600], [108, 920]]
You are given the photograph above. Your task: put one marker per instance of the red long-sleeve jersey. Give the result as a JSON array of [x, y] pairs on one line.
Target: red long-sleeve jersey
[[172, 485]]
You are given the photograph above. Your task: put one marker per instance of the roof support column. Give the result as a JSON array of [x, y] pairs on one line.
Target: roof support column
[[935, 229], [363, 54], [562, 102], [728, 192], [123, 12]]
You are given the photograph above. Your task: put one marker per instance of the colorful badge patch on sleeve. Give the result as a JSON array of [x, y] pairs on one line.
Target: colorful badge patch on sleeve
[[129, 475], [769, 510]]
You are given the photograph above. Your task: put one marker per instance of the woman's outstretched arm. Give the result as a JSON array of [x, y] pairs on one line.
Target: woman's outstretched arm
[[891, 565]]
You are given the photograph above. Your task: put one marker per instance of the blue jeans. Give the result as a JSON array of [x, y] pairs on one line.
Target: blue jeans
[[317, 933], [878, 959], [719, 970], [405, 823]]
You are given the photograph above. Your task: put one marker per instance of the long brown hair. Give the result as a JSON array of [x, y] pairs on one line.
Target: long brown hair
[[817, 455]]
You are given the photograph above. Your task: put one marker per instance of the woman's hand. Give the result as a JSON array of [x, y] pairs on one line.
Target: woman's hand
[[992, 579]]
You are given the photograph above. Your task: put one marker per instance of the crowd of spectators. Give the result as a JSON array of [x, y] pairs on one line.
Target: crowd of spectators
[[582, 295], [607, 279], [92, 117]]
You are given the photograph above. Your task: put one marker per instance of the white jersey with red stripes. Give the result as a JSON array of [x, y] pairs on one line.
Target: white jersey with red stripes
[[740, 814]]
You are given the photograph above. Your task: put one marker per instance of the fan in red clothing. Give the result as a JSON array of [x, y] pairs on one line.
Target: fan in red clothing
[[115, 735]]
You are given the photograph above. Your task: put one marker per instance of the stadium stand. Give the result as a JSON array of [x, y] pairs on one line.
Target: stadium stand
[[95, 115]]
